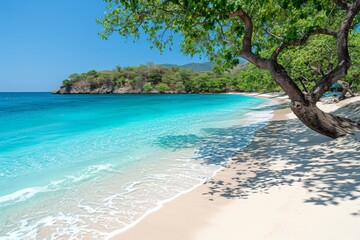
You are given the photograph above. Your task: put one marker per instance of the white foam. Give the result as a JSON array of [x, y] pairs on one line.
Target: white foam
[[131, 187], [89, 172], [259, 118], [27, 193], [22, 194], [88, 209], [159, 205], [30, 231]]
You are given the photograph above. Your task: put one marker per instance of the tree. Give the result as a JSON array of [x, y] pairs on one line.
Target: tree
[[250, 78], [147, 87], [67, 83], [225, 30], [198, 83], [92, 73], [118, 68], [120, 81], [155, 77], [162, 87], [74, 77], [317, 57], [179, 87]]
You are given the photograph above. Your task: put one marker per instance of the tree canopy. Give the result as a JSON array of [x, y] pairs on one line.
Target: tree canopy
[[212, 27], [259, 31]]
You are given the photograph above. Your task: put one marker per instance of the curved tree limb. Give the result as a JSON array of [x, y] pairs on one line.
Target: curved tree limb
[[302, 40], [344, 61], [277, 71], [246, 50], [272, 34], [304, 106]]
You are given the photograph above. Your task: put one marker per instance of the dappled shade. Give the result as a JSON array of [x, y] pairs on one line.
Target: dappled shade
[[288, 153], [282, 153], [216, 145]]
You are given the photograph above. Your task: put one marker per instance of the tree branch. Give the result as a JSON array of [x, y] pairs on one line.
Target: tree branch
[[302, 83], [271, 34], [246, 50], [302, 41], [317, 69], [344, 61], [222, 32], [277, 71]]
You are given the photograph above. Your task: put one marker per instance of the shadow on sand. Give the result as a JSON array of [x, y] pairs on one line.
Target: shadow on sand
[[281, 153]]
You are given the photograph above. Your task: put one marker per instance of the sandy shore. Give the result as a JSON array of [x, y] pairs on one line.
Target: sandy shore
[[289, 183]]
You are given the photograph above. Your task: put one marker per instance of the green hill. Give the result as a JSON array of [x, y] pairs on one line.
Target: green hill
[[196, 67], [168, 78]]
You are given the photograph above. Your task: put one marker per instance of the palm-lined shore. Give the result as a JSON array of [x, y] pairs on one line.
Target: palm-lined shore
[[289, 183]]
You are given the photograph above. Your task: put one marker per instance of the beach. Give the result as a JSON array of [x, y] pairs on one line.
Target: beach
[[289, 183], [110, 160], [180, 120]]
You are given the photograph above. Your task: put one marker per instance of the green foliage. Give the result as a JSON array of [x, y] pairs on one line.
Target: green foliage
[[250, 78], [66, 82], [121, 81], [134, 77], [74, 77], [92, 73], [147, 87], [136, 82], [195, 67], [319, 52], [145, 78], [179, 87], [155, 77], [207, 29], [118, 68], [162, 87], [133, 83], [354, 48]]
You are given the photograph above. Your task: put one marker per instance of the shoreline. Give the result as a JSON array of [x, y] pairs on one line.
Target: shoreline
[[196, 213], [120, 196], [162, 203], [274, 101]]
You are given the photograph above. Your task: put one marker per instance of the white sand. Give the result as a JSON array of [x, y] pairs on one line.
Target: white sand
[[289, 183]]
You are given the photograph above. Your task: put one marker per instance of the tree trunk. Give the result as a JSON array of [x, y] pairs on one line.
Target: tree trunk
[[304, 107], [322, 122]]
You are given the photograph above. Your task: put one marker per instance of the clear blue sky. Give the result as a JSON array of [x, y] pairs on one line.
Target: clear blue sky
[[44, 41]]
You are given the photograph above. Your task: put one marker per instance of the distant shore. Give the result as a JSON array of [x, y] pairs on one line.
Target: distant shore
[[289, 183]]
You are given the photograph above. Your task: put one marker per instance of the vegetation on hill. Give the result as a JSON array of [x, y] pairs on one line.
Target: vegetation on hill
[[196, 67], [153, 78]]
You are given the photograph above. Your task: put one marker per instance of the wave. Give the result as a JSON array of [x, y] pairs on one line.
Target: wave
[[55, 185], [23, 194]]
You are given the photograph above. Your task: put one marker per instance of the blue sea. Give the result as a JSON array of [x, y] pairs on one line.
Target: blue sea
[[90, 166]]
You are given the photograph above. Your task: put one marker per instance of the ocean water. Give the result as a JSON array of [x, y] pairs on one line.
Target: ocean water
[[91, 166]]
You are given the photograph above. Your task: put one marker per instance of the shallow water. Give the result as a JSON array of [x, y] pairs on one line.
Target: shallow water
[[84, 166]]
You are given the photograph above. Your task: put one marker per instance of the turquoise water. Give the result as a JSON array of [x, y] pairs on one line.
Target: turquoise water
[[109, 158]]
